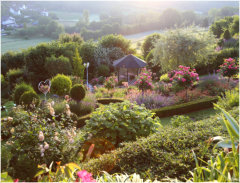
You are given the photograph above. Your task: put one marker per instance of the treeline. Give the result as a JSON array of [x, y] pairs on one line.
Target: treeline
[[48, 59]]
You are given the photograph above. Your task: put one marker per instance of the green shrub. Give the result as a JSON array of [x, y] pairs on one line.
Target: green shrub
[[59, 107], [107, 101], [29, 97], [58, 65], [192, 106], [86, 106], [19, 90], [3, 82], [14, 76], [229, 99], [77, 92], [165, 78], [121, 122], [177, 121], [103, 70], [61, 85], [226, 34], [4, 88], [28, 147], [165, 153]]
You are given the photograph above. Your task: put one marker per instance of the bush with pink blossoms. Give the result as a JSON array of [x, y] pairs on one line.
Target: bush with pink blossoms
[[229, 68], [110, 82], [144, 80], [184, 77]]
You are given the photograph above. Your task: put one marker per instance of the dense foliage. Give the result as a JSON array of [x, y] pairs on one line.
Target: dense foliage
[[229, 68], [121, 122], [183, 47], [172, 152], [77, 92], [61, 84], [19, 90], [28, 98]]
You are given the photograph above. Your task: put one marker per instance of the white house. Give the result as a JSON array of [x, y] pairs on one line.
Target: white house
[[44, 13], [23, 7], [9, 22], [15, 12]]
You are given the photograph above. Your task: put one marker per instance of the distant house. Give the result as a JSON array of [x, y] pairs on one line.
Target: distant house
[[15, 11], [8, 22], [44, 13], [23, 7]]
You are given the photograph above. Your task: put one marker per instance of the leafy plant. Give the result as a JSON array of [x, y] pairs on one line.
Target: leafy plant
[[225, 166], [229, 99], [177, 121], [29, 97], [110, 82], [77, 92], [144, 80], [120, 122], [19, 90], [61, 84]]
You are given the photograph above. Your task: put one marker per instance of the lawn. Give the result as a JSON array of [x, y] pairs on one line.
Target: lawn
[[71, 18], [16, 44], [195, 116]]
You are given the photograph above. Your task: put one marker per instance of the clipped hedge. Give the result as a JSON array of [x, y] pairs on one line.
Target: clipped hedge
[[81, 120], [165, 153], [186, 107], [107, 101]]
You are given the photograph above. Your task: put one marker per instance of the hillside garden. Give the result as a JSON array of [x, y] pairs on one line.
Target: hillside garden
[[55, 127]]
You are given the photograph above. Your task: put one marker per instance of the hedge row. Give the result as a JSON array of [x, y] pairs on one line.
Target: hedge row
[[107, 101], [165, 153], [186, 107]]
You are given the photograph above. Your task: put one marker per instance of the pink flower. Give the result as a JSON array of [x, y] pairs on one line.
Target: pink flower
[[16, 180], [197, 78], [171, 79], [229, 59], [183, 79], [85, 176]]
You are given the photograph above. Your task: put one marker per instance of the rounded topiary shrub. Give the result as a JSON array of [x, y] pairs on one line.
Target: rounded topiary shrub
[[19, 90], [77, 92], [61, 84], [29, 97], [120, 122]]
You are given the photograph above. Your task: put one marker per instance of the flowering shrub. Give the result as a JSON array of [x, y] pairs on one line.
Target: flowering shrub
[[110, 82], [229, 68], [38, 137], [184, 76], [144, 80], [94, 81]]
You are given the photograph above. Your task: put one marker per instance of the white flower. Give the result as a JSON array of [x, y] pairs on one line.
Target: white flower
[[12, 130], [41, 146], [9, 118], [71, 141], [68, 112], [46, 146], [67, 106], [56, 138], [42, 150], [42, 154], [52, 103], [41, 136]]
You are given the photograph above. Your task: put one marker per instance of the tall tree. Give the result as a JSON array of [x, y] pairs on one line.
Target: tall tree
[[78, 67]]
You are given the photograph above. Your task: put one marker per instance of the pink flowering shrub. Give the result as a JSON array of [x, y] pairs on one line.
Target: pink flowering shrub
[[84, 176], [144, 80], [229, 68], [110, 82], [184, 77]]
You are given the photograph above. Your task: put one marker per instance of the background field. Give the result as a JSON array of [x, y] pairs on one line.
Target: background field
[[71, 18], [16, 44]]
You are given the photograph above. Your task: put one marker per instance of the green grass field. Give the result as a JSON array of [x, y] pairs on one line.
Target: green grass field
[[71, 18], [195, 116], [17, 44]]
